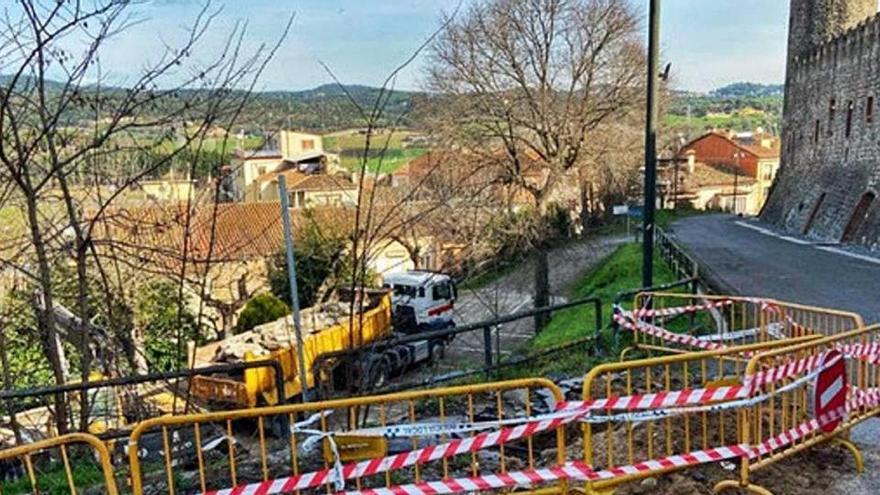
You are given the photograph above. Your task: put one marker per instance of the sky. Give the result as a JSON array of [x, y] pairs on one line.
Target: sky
[[710, 43]]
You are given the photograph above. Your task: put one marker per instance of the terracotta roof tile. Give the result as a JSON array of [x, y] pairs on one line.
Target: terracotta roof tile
[[238, 232]]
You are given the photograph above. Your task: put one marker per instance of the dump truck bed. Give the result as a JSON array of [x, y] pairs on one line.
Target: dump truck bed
[[258, 384]]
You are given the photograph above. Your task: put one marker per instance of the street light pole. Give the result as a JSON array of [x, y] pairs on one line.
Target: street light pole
[[651, 146], [294, 296], [736, 155]]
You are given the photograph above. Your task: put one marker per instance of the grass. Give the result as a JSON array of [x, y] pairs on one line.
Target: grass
[[619, 272], [341, 143], [350, 148], [390, 161], [52, 478], [665, 217]]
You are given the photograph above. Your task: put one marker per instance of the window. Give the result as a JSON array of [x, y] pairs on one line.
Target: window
[[404, 290], [441, 292], [832, 106], [816, 133], [308, 144], [850, 106], [869, 109]]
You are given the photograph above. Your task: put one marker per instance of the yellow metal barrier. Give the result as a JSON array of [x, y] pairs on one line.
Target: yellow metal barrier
[[732, 321], [42, 464], [626, 443], [788, 410], [249, 446]]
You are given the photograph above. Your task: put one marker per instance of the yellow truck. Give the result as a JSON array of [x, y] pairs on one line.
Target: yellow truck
[[363, 342]]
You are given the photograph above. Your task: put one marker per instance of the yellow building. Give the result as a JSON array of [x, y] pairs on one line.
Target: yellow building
[[168, 189], [293, 144], [306, 189], [297, 151]]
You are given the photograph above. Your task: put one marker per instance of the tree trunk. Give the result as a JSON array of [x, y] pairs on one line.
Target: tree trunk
[[542, 288], [227, 316], [138, 358], [7, 384], [43, 310], [586, 205]]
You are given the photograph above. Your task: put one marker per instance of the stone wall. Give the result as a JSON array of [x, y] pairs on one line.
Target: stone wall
[[831, 124]]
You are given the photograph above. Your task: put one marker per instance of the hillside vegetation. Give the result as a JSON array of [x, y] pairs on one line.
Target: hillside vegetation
[[739, 106]]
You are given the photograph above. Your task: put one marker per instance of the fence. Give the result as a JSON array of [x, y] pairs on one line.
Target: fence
[[58, 465], [617, 445], [486, 342], [682, 264], [793, 419], [668, 322], [232, 449], [113, 404]]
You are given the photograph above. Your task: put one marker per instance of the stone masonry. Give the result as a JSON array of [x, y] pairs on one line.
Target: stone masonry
[[830, 171]]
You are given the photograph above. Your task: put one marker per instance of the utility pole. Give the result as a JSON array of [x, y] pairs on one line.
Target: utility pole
[[737, 155], [294, 297], [651, 146]]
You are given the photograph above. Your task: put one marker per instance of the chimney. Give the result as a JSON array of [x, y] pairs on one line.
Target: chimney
[[692, 160]]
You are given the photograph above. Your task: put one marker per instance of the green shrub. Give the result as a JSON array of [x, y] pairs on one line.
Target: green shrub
[[263, 308]]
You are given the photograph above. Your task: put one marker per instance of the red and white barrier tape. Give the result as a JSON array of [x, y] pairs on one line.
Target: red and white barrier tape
[[678, 338], [568, 413], [680, 310], [577, 471]]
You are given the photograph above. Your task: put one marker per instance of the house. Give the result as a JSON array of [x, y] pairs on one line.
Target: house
[[307, 189], [485, 174], [168, 189], [754, 155], [703, 186], [293, 144], [225, 249], [295, 151], [219, 251]]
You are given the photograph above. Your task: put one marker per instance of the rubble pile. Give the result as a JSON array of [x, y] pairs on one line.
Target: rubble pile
[[279, 334]]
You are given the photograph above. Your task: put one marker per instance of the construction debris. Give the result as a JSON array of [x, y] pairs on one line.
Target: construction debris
[[279, 334]]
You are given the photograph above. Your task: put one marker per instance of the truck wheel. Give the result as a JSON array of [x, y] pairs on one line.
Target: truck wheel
[[437, 352], [379, 373]]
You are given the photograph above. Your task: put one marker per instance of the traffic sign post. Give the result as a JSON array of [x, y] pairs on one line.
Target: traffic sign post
[[829, 391]]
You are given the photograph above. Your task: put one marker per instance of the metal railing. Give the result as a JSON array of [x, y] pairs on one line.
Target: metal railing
[[113, 420], [682, 264]]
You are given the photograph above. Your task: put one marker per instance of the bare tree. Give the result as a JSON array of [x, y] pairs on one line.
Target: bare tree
[[527, 82], [70, 137]]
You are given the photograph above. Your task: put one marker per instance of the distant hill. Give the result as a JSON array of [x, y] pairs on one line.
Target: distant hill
[[329, 107], [322, 109], [741, 106], [747, 89]]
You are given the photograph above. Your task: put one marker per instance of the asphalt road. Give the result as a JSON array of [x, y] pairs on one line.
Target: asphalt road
[[753, 261], [745, 261]]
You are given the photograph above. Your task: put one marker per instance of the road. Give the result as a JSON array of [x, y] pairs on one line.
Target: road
[[745, 258], [509, 294], [749, 262], [513, 292]]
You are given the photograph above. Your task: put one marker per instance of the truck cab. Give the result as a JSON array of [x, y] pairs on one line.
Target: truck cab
[[421, 300]]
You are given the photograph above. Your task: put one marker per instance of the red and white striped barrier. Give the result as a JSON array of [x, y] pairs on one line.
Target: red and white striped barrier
[[680, 310], [678, 338], [568, 413], [577, 471]]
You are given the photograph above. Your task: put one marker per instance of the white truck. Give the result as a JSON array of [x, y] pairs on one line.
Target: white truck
[[421, 300]]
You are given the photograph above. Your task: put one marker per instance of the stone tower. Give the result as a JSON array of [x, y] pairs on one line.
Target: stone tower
[[830, 168], [813, 22]]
